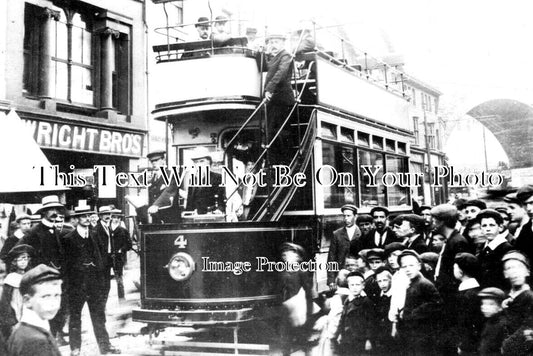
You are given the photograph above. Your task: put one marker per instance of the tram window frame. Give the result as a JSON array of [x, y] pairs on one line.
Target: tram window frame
[[331, 132], [334, 203], [377, 143], [363, 139], [347, 135], [364, 181], [390, 145], [396, 188]]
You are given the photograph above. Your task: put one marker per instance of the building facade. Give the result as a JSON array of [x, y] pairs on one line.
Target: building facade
[[75, 73]]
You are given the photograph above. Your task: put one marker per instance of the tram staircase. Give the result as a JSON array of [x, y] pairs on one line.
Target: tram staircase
[[278, 198]]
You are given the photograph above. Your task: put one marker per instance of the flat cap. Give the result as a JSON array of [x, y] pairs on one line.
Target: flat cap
[[379, 208], [490, 213], [289, 246], [468, 263], [416, 221], [511, 198], [394, 246], [156, 154], [36, 275], [524, 192], [409, 253], [363, 253], [444, 211], [355, 274], [515, 255], [22, 217], [430, 257], [361, 218], [477, 203], [492, 293], [375, 254], [349, 207]]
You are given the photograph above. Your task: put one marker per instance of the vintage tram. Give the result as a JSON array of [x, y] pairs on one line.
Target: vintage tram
[[351, 111]]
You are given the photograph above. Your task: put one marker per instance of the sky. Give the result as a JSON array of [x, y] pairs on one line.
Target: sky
[[470, 50]]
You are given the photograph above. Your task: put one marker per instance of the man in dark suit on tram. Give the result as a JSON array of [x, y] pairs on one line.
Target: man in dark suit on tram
[[163, 199], [345, 240], [206, 199], [279, 96]]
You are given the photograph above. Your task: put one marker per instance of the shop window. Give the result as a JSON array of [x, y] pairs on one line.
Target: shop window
[[341, 158], [371, 196]]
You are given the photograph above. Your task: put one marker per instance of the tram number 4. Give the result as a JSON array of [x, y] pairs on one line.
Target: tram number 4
[[180, 241]]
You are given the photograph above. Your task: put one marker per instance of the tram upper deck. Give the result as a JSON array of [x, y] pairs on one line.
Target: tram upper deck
[[226, 74]]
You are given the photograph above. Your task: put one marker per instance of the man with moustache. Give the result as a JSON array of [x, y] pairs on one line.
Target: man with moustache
[[345, 241], [48, 248], [381, 235], [517, 213], [88, 280], [103, 236]]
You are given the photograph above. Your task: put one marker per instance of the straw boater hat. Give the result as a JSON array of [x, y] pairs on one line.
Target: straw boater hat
[[48, 202], [200, 152], [115, 211], [106, 209]]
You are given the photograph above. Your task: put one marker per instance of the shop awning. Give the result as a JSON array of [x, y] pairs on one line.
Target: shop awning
[[21, 160]]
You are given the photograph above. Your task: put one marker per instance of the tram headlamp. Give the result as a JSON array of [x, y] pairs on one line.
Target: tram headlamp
[[180, 267]]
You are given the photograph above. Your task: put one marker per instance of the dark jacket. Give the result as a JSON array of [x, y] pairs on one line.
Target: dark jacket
[[524, 241], [7, 314], [492, 267], [357, 321], [278, 79], [120, 245], [369, 241], [47, 244], [469, 320], [166, 198], [340, 246], [418, 245], [10, 242], [74, 248], [422, 302], [30, 340], [203, 199], [446, 282], [492, 336]]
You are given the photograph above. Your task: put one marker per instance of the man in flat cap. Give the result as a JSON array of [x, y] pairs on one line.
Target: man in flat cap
[[40, 288], [48, 246], [163, 199], [381, 235], [409, 228], [517, 213], [345, 240], [279, 96], [23, 226], [524, 241], [87, 275]]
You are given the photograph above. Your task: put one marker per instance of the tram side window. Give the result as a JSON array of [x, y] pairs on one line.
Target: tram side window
[[397, 195], [371, 196], [343, 160]]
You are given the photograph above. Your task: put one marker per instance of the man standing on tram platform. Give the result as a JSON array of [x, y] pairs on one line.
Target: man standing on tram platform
[[279, 95], [345, 240]]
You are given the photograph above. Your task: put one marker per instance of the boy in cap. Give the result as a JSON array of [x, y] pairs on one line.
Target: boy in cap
[[417, 325], [468, 317], [490, 257], [346, 240], [365, 223], [519, 306], [495, 329], [23, 226], [41, 291], [357, 319], [383, 341], [376, 260]]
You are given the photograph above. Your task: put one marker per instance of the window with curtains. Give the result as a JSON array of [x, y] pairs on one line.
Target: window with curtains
[[342, 158]]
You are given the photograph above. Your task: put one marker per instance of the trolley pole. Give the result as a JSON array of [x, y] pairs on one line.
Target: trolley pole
[[428, 151]]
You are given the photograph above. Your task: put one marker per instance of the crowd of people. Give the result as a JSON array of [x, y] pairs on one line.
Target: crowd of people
[[452, 279], [55, 267]]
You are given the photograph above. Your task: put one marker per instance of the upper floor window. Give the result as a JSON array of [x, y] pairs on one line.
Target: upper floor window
[[416, 130]]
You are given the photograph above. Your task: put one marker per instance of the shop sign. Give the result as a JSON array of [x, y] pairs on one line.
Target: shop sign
[[88, 139]]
